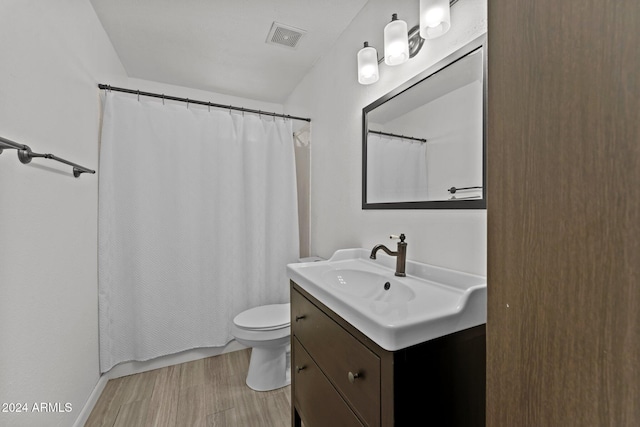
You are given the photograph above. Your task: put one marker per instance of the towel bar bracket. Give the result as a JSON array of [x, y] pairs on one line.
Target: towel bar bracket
[[25, 155]]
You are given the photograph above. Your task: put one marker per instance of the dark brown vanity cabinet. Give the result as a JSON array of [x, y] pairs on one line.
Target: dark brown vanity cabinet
[[342, 378]]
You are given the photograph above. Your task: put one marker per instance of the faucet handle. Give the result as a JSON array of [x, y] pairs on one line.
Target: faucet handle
[[401, 237]]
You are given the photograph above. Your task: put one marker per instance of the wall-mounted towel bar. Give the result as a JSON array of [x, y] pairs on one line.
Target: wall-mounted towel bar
[[452, 190], [394, 135], [25, 155]]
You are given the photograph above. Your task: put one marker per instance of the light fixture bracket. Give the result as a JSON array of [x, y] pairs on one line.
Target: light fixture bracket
[[415, 41]]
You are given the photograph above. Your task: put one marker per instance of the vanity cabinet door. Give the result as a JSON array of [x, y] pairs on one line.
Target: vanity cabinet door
[[315, 397], [352, 368]]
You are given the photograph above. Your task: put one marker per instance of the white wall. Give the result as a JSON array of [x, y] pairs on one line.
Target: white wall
[[332, 97], [53, 54]]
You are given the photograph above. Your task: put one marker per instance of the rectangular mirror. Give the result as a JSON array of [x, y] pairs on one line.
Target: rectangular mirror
[[423, 144]]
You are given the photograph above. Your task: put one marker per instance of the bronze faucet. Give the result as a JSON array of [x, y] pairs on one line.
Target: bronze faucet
[[400, 254]]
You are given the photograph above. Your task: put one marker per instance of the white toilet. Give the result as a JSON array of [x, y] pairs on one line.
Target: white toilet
[[267, 330]]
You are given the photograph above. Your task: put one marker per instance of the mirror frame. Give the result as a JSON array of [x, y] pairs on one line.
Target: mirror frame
[[479, 42]]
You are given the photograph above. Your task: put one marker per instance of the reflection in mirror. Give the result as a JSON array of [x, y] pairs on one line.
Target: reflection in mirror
[[423, 143]]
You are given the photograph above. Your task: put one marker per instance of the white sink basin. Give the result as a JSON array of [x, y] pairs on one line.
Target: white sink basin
[[395, 312], [368, 285]]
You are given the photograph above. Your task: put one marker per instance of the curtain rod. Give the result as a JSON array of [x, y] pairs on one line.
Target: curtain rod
[[25, 155], [377, 132], [208, 104]]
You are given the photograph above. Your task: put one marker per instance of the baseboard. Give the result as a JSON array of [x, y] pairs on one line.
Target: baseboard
[[131, 368], [91, 401]]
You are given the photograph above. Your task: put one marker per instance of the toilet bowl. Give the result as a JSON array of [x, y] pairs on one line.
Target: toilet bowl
[[267, 330]]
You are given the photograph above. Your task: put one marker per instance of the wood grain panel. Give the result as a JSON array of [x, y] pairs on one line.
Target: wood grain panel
[[207, 392], [106, 409], [163, 404], [192, 407], [563, 330]]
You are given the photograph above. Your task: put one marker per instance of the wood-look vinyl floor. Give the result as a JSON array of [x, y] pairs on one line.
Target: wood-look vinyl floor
[[208, 392]]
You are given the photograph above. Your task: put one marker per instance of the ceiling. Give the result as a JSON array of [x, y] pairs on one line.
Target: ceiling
[[220, 45]]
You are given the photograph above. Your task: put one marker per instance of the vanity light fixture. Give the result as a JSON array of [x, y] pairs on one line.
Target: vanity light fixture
[[399, 44], [396, 42], [368, 72], [435, 18]]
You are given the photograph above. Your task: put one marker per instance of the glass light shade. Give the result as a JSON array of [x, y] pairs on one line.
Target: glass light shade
[[367, 65], [396, 42], [435, 18]]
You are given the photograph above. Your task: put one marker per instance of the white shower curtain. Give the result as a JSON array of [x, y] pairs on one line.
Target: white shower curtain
[[396, 169], [197, 221]]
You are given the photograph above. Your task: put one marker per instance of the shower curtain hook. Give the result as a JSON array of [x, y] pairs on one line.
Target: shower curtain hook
[[187, 103], [229, 108], [163, 99], [209, 106], [138, 95]]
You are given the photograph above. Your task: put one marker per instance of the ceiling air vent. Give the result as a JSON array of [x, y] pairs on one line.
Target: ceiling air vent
[[285, 35]]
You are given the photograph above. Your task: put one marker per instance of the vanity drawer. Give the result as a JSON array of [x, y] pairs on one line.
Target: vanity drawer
[[319, 403], [340, 356]]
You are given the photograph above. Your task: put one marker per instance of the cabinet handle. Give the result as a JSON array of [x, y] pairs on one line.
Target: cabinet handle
[[352, 377], [302, 316], [300, 368]]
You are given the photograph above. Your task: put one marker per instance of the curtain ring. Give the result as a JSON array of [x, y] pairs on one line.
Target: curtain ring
[[138, 95], [163, 99], [229, 108], [187, 103]]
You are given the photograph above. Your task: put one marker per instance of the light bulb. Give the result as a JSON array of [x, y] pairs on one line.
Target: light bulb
[[435, 18], [396, 42], [367, 65]]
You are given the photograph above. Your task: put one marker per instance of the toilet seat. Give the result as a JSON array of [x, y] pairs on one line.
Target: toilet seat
[[264, 318]]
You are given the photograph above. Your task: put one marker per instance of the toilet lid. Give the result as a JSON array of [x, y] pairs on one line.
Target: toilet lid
[[264, 317]]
